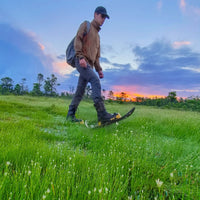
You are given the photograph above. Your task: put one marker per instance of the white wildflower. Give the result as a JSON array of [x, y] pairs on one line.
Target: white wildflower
[[48, 191], [100, 190], [8, 163], [130, 197], [89, 192], [44, 197], [171, 175], [95, 189], [106, 189], [159, 183], [29, 173]]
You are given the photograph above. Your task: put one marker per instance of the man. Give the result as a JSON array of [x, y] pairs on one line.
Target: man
[[87, 48]]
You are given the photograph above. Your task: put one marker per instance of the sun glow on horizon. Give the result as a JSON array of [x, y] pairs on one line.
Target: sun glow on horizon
[[130, 96]]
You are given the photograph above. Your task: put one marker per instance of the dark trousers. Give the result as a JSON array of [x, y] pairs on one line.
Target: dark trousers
[[87, 75]]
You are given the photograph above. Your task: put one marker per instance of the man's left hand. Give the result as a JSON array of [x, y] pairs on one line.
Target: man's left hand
[[100, 74]]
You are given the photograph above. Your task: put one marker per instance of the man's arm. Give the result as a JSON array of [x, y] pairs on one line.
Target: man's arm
[[78, 42]]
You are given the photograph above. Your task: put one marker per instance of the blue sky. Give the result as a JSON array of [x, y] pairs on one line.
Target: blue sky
[[148, 47]]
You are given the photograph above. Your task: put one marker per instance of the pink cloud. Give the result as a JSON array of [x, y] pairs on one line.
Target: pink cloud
[[182, 5], [62, 68], [190, 10], [179, 44]]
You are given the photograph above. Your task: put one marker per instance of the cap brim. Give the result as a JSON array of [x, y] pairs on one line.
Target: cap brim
[[107, 16]]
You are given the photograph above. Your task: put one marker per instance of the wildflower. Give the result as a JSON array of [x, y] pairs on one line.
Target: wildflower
[[159, 183], [100, 190], [171, 175], [95, 189], [7, 163], [89, 192], [106, 189], [130, 197], [48, 191], [29, 173], [5, 174], [44, 197]]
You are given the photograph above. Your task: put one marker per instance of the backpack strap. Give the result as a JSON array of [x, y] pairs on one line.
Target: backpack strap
[[88, 28]]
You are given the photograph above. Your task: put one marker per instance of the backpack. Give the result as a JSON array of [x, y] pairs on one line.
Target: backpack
[[70, 51]]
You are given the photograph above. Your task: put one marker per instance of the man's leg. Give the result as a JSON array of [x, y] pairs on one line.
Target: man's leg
[[90, 76], [80, 90]]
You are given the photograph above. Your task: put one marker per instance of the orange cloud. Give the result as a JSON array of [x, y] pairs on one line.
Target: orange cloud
[[179, 44], [62, 68], [131, 92], [41, 46]]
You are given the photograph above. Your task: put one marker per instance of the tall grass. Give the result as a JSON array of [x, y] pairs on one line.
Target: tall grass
[[154, 154]]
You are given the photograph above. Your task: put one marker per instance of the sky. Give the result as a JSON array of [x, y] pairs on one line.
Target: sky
[[148, 47]]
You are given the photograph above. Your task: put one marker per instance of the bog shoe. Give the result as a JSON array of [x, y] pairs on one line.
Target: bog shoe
[[103, 115], [71, 115]]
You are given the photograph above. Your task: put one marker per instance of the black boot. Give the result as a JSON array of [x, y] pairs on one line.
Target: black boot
[[103, 115], [71, 114]]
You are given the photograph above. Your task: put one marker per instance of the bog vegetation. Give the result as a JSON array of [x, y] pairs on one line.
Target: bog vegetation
[[154, 154]]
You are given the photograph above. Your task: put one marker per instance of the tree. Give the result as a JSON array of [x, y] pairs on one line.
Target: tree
[[18, 89], [172, 96], [104, 94], [50, 85], [24, 88], [36, 90], [111, 95], [40, 79], [37, 86], [71, 89], [6, 85]]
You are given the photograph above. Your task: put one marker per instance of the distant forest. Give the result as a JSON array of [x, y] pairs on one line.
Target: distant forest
[[48, 87]]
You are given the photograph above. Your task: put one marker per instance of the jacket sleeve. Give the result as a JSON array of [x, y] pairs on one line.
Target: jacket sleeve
[[97, 63], [78, 42]]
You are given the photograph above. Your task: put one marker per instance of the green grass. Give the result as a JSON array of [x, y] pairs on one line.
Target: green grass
[[44, 157]]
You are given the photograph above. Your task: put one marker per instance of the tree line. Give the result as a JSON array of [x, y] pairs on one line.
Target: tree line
[[170, 101], [49, 86], [43, 87]]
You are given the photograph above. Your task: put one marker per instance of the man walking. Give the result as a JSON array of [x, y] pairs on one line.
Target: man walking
[[87, 48]]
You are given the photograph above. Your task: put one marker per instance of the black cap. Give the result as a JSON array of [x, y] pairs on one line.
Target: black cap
[[101, 10]]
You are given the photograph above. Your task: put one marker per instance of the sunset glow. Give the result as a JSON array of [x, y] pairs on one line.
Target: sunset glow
[[129, 96], [131, 92]]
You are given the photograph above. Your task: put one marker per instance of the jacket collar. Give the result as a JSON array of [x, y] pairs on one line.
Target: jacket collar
[[96, 25]]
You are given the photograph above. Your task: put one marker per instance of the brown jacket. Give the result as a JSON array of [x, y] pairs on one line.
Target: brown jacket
[[88, 46]]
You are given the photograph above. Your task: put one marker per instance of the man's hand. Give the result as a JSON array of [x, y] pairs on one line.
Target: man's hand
[[83, 63], [100, 74]]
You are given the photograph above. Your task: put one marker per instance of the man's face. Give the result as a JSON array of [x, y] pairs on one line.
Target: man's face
[[99, 18]]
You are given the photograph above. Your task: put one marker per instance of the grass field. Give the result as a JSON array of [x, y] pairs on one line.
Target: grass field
[[154, 154]]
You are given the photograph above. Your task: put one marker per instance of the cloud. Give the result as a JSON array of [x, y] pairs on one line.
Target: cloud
[[162, 68], [182, 5], [179, 44], [190, 10], [22, 55], [62, 68]]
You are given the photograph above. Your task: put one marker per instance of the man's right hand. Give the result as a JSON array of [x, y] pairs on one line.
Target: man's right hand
[[83, 63]]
